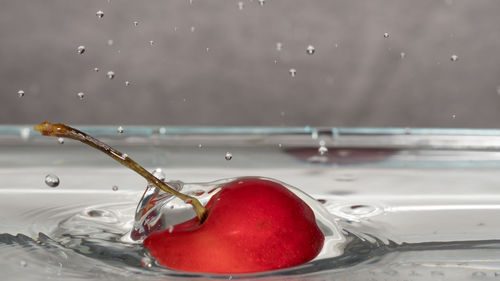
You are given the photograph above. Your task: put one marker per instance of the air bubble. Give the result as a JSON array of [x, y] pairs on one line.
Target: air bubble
[[292, 72], [20, 93], [159, 174], [100, 14], [110, 75], [60, 140], [80, 49], [386, 35], [120, 130], [114, 188], [81, 95], [51, 180], [454, 58], [310, 50], [228, 156]]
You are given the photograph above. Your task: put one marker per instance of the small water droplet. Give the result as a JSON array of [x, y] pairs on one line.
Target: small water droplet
[[159, 174], [280, 145], [114, 188], [279, 46], [110, 75], [323, 150], [60, 140], [136, 23], [282, 114], [386, 35], [453, 116], [127, 83], [23, 263], [275, 61], [192, 28], [81, 95], [207, 49], [402, 55], [110, 42], [100, 14], [120, 130], [262, 2], [51, 180], [170, 228], [96, 69], [80, 49], [240, 5], [151, 42], [228, 156], [292, 72], [498, 90], [124, 156], [200, 146], [146, 262], [454, 58], [310, 50], [20, 93]]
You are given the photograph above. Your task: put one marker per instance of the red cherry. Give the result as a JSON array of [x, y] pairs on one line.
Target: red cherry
[[253, 225]]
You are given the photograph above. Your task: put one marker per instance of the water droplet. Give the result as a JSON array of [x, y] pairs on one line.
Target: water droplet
[[170, 228], [51, 180], [146, 262], [323, 150], [454, 58], [453, 116], [114, 188], [262, 2], [192, 28], [159, 174], [124, 156], [127, 83], [20, 93], [23, 263], [110, 74], [110, 42], [282, 114], [402, 55], [136, 23], [162, 130], [120, 130], [498, 90], [200, 146], [240, 5], [275, 61], [292, 72], [279, 46], [151, 42], [228, 156], [80, 49], [310, 50], [99, 14], [96, 69], [280, 145], [81, 95], [60, 140], [386, 35], [207, 49], [336, 45]]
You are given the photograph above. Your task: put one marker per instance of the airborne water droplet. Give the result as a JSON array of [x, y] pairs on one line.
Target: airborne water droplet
[[228, 156], [192, 28], [96, 69], [454, 58], [81, 95], [292, 72], [386, 35], [110, 74], [114, 188], [51, 180], [159, 174], [262, 2], [279, 46], [20, 93], [60, 140], [81, 49], [136, 23], [151, 42], [110, 42], [240, 5], [99, 14], [322, 150], [127, 83], [402, 55], [310, 50], [23, 263], [120, 130]]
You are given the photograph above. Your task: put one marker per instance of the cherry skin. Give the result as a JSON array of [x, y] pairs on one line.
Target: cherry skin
[[253, 225]]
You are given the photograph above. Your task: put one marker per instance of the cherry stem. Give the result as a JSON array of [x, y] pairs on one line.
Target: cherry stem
[[60, 130]]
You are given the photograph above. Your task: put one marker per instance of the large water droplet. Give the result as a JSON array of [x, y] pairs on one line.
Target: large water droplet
[[292, 72], [120, 130], [228, 156], [20, 93], [81, 95], [454, 58], [100, 14], [80, 49], [51, 180], [110, 74], [159, 174], [310, 50], [386, 35]]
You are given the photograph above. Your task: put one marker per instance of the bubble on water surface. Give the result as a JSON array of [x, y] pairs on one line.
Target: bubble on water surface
[[110, 75], [228, 156], [310, 50], [292, 72], [159, 174], [100, 14], [60, 140], [80, 95], [51, 180], [454, 58], [80, 49], [120, 130], [20, 93], [386, 35]]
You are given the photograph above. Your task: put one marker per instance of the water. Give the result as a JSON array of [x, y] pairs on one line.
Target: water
[[100, 14], [110, 74], [80, 95], [388, 214], [20, 93], [80, 49]]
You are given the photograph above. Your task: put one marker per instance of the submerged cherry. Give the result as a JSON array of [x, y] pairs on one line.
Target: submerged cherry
[[252, 224]]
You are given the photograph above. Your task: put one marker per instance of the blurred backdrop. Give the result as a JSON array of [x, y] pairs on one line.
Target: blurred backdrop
[[405, 63]]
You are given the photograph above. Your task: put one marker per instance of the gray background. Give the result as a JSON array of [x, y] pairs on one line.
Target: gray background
[[355, 78]]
